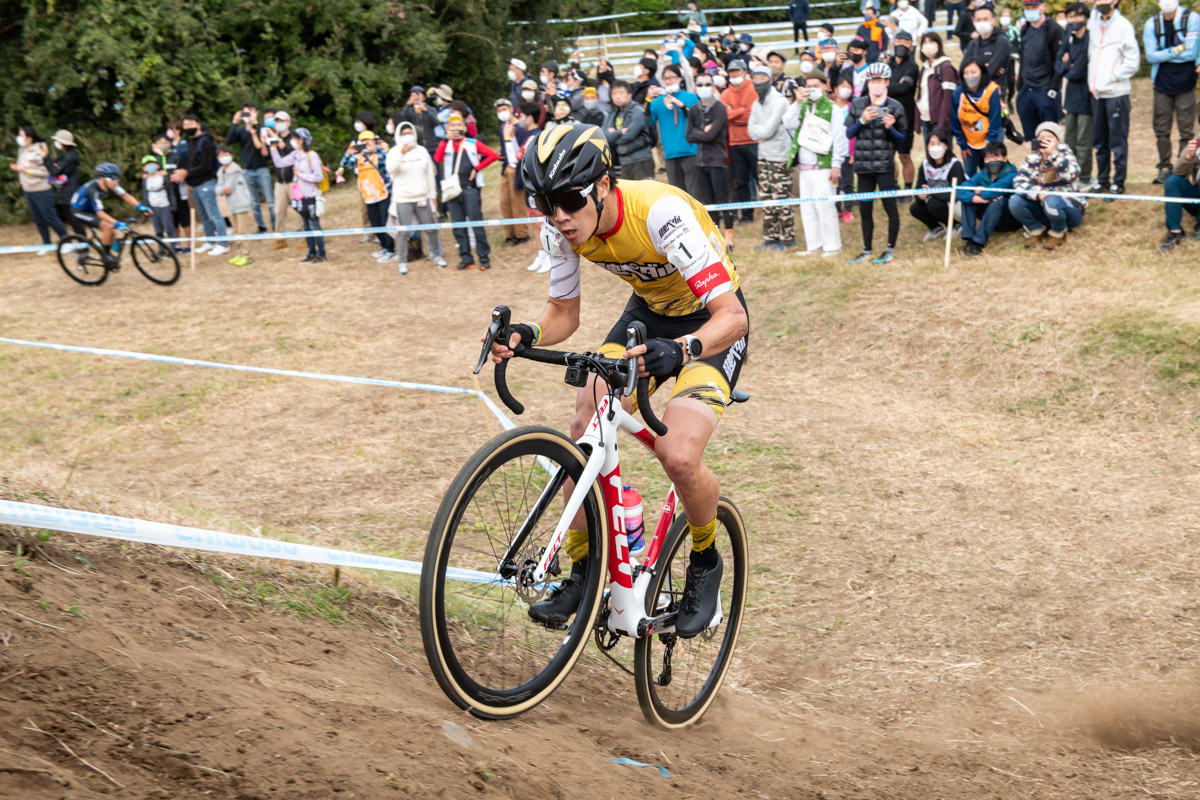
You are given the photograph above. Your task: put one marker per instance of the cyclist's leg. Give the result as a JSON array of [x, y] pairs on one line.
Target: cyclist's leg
[[107, 230]]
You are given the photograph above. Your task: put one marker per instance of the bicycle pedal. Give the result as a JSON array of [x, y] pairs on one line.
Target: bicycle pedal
[[554, 626]]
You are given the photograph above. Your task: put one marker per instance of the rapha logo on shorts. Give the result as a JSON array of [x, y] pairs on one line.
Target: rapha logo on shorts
[[671, 223]]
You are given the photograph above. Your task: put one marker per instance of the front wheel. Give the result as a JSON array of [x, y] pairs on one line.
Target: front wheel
[[677, 679], [155, 259], [484, 650], [82, 258]]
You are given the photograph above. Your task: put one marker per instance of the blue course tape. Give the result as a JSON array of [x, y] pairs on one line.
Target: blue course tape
[[191, 362], [631, 763]]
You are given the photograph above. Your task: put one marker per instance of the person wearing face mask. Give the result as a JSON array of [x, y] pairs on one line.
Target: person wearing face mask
[[841, 97], [232, 186], [873, 33], [707, 120], [1113, 58], [977, 114], [877, 124], [777, 63], [798, 13], [200, 175], [32, 174], [160, 195], [909, 19], [1051, 167], [828, 48], [512, 200], [984, 207], [935, 86], [63, 169], [855, 70], [593, 111], [414, 192], [1072, 67], [820, 149], [304, 192], [463, 156], [739, 99], [939, 170], [369, 163], [991, 47], [517, 73], [669, 113], [244, 132], [280, 140], [772, 123], [645, 70], [530, 94], [1038, 87], [903, 89], [625, 129], [1172, 42]]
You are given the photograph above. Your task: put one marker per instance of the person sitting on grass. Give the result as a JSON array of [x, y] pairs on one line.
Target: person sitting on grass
[[939, 169], [1182, 183], [984, 210], [1051, 167]]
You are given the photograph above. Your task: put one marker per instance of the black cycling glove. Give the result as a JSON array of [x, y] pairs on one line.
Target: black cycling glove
[[663, 357], [527, 335]]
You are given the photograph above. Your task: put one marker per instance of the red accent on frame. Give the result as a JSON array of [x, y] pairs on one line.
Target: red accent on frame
[[645, 437], [714, 275], [660, 530], [620, 215], [618, 554]]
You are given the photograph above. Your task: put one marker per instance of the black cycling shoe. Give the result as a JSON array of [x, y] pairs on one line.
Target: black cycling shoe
[[563, 600], [701, 589]]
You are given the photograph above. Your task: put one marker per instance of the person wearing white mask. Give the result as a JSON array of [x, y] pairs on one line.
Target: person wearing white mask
[[936, 86], [414, 192], [1038, 94], [820, 149], [669, 113], [517, 73], [739, 99], [1113, 59], [908, 18], [706, 124], [939, 170], [31, 171], [232, 186], [512, 199], [991, 46], [1172, 42]]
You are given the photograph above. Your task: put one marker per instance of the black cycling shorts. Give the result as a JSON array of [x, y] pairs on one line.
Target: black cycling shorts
[[88, 218], [709, 380]]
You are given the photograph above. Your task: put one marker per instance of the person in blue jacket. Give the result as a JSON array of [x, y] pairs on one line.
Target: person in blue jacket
[[669, 112], [798, 11], [1171, 39], [984, 210]]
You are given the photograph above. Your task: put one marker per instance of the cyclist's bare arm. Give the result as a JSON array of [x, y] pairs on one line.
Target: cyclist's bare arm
[[558, 321]]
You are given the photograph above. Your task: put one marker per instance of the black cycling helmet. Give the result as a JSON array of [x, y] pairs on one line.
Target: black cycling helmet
[[568, 156], [109, 170]]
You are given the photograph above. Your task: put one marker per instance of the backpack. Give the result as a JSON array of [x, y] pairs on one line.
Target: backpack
[[323, 184], [1180, 30]]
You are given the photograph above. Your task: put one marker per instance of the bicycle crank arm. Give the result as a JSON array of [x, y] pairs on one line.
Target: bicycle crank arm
[[652, 626]]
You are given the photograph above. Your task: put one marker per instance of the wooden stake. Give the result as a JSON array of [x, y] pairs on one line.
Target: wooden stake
[[192, 219], [950, 220]]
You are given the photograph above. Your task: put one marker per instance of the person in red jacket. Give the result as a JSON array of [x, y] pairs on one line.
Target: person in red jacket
[[739, 98], [465, 159]]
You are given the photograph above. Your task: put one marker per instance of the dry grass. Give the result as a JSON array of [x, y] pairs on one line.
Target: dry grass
[[972, 491]]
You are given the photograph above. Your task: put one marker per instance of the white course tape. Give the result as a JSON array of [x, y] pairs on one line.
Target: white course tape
[[30, 515], [501, 417]]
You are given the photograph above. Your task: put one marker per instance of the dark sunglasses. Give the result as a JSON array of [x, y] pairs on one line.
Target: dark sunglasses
[[569, 200]]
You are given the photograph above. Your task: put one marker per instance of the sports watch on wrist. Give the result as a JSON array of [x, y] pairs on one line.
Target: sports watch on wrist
[[693, 346]]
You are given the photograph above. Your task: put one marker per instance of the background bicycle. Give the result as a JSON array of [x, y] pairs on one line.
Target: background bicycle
[[86, 260]]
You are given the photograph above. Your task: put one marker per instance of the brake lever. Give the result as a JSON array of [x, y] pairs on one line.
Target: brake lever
[[500, 317], [637, 335]]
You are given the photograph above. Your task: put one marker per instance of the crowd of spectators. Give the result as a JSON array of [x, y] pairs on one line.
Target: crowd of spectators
[[727, 122]]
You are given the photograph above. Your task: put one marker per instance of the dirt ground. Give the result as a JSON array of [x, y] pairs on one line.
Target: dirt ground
[[972, 496]]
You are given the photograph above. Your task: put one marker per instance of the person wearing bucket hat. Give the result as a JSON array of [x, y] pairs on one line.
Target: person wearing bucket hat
[[63, 168], [1051, 167]]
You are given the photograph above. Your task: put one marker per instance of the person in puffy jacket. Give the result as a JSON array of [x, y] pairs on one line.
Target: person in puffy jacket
[[985, 210], [936, 85], [877, 124], [625, 129], [1113, 58], [1051, 167], [772, 124]]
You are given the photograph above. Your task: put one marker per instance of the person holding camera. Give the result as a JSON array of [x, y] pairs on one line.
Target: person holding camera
[[243, 131], [1051, 167]]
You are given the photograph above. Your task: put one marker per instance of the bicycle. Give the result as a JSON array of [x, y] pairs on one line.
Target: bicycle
[[494, 545], [88, 261]]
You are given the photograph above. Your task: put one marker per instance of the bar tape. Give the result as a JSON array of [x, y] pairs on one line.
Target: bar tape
[[503, 419], [31, 515]]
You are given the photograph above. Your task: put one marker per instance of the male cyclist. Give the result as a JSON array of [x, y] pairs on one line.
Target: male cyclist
[[661, 242], [87, 205]]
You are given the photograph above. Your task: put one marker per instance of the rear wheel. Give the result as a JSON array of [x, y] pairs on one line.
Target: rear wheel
[[155, 259], [485, 652], [677, 679], [82, 258]]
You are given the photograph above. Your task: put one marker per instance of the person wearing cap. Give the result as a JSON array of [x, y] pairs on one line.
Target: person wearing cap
[[820, 149], [512, 200], [830, 64], [516, 76], [63, 169], [669, 112], [909, 19], [1182, 183], [855, 70], [466, 158], [593, 112], [160, 195], [991, 47], [1038, 88], [243, 131], [530, 94], [903, 89], [628, 135], [1172, 42], [771, 125], [414, 192], [739, 99], [1113, 58], [423, 119], [874, 33], [777, 63], [976, 111], [548, 73], [573, 84], [877, 123], [1050, 167], [278, 136], [798, 13], [369, 162], [1071, 67]]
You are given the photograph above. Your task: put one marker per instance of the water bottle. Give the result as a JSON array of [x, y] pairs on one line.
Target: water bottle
[[635, 530]]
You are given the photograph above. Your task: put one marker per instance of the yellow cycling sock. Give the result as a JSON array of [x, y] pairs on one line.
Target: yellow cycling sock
[[576, 544], [703, 536]]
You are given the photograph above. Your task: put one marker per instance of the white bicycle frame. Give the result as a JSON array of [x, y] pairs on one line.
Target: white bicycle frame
[[627, 592]]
